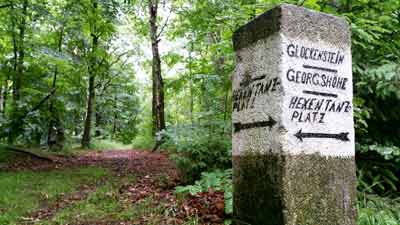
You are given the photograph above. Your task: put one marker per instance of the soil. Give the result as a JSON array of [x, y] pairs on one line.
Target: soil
[[156, 177]]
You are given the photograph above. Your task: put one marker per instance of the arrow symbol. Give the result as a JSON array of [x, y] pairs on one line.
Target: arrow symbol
[[340, 136], [244, 126]]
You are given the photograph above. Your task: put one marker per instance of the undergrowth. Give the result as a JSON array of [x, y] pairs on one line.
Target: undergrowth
[[372, 209], [218, 180], [375, 210], [198, 149]]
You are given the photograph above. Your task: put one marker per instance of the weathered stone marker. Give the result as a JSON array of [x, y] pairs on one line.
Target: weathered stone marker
[[293, 135]]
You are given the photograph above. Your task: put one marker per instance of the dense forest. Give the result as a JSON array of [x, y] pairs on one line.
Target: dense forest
[[156, 75]]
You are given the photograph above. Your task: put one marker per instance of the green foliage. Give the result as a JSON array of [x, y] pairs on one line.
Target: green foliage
[[22, 192], [379, 171], [389, 152], [375, 210], [377, 178], [143, 142], [144, 139], [198, 149], [375, 52], [54, 44], [218, 180]]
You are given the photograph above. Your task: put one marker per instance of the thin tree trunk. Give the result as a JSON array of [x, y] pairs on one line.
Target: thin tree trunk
[[99, 116], [78, 120], [55, 135], [19, 56], [21, 53], [5, 95], [114, 130], [91, 89], [226, 103], [158, 86], [2, 99], [114, 127], [55, 130], [89, 112], [191, 105], [98, 122], [15, 56], [51, 128]]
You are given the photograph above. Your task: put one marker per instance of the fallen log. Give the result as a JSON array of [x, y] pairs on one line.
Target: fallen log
[[28, 152]]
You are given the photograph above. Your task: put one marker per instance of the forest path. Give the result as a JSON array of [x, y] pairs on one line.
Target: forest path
[[139, 189], [134, 177]]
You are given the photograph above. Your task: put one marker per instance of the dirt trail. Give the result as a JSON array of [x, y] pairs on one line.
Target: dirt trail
[[156, 176]]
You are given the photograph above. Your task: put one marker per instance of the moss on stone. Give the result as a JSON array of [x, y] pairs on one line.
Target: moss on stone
[[258, 189], [275, 189]]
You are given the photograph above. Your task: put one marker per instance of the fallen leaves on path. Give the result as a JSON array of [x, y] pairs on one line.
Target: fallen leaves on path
[[156, 176]]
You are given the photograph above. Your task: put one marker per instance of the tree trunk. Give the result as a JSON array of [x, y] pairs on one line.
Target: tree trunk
[[98, 122], [89, 112], [55, 130], [191, 104], [91, 89], [1, 99], [19, 67], [114, 130], [114, 127], [78, 120], [51, 129], [5, 95], [19, 56], [158, 86], [55, 135]]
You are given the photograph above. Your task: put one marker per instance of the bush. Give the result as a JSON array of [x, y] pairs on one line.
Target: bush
[[143, 142], [378, 169], [374, 210], [198, 149]]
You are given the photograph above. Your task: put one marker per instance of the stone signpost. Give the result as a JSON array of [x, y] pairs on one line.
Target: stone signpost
[[293, 135]]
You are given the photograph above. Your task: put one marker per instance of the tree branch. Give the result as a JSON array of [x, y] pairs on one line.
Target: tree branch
[[5, 6], [39, 104], [28, 152], [22, 117], [165, 24]]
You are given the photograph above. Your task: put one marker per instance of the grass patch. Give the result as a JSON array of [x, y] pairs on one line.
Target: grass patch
[[107, 205], [104, 204], [5, 156], [22, 192]]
